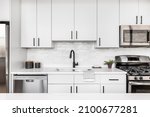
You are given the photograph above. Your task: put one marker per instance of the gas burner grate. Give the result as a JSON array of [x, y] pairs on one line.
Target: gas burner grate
[[136, 70]]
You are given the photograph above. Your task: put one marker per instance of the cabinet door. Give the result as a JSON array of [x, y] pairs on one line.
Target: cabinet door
[[4, 10], [87, 88], [62, 19], [129, 12], [85, 20], [113, 88], [144, 14], [108, 23], [60, 88], [28, 23], [43, 23]]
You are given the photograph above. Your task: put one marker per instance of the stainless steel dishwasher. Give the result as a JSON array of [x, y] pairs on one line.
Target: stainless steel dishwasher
[[30, 83]]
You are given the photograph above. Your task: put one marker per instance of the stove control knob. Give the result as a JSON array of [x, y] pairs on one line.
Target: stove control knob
[[135, 78], [141, 78]]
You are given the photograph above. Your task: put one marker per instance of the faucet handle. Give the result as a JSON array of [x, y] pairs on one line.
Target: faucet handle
[[76, 63]]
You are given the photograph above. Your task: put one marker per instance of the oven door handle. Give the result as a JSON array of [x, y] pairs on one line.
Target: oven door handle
[[138, 83]]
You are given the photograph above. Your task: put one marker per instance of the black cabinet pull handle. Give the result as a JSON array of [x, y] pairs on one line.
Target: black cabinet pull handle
[[76, 89], [113, 79], [70, 89], [141, 20], [71, 34], [33, 41], [103, 89], [99, 40], [136, 19], [38, 41], [76, 34]]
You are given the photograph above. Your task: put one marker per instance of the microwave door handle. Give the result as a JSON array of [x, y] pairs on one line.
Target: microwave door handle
[[131, 34], [148, 39]]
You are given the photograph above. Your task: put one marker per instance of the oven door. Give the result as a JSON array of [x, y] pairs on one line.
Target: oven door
[[139, 87]]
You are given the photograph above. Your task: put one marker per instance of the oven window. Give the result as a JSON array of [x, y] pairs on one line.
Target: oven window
[[140, 89], [135, 36]]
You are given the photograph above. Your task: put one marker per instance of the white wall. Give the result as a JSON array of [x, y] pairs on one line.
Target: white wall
[[18, 55], [86, 54]]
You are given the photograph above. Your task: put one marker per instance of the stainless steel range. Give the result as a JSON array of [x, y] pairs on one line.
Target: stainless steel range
[[138, 72]]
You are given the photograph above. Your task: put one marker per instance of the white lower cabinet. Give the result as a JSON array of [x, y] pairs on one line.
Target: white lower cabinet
[[70, 88], [113, 88], [87, 88], [60, 83], [66, 83], [83, 85], [60, 88], [112, 83]]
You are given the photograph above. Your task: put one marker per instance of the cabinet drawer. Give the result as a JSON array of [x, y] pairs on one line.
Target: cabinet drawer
[[60, 78], [112, 78], [81, 79]]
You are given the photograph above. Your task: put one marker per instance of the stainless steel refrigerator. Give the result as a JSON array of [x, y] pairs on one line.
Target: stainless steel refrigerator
[[4, 57]]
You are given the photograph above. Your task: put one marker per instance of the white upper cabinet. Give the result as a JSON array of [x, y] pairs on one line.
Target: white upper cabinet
[[85, 19], [62, 19], [36, 23], [134, 12], [28, 23], [108, 23], [73, 20], [144, 12], [44, 23], [128, 12], [4, 10]]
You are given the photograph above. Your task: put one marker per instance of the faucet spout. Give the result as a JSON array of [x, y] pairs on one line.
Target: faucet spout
[[72, 55]]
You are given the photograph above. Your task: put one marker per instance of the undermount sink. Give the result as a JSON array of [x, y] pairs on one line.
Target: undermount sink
[[65, 69], [68, 70], [71, 69]]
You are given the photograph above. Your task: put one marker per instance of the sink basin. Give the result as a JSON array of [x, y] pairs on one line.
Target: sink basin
[[68, 70], [71, 69]]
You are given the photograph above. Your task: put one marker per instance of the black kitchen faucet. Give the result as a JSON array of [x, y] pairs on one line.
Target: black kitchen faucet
[[72, 55]]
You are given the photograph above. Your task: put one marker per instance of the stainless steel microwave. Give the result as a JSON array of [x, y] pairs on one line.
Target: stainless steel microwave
[[134, 35]]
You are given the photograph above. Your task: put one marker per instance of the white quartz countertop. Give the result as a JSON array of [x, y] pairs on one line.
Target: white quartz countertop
[[67, 71]]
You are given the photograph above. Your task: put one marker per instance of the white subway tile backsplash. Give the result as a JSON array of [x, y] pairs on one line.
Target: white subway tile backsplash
[[86, 54]]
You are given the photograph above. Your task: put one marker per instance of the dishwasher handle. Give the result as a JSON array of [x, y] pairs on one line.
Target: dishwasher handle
[[30, 77]]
